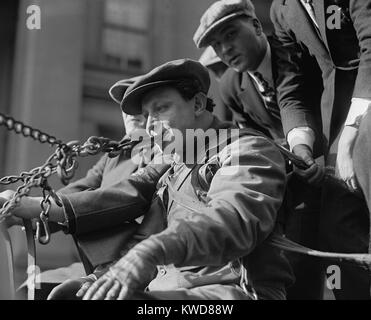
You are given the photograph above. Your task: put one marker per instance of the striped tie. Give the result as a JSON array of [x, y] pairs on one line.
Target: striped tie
[[269, 95]]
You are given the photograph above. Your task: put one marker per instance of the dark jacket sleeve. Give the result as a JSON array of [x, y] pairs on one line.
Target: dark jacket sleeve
[[245, 196], [290, 80], [360, 12], [98, 209], [91, 181]]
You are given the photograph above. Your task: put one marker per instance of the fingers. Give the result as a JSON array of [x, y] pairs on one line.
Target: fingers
[[99, 289], [304, 152], [114, 291], [84, 288], [346, 171], [7, 194], [106, 289], [313, 175], [352, 183], [66, 290], [317, 175], [124, 294], [306, 174]]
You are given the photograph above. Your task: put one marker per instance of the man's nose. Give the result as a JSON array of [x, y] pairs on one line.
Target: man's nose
[[150, 126]]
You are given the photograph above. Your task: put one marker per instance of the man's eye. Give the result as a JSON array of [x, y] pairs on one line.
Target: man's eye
[[216, 45], [230, 35], [161, 109]]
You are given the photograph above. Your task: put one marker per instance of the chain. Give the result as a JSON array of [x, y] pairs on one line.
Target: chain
[[63, 162], [20, 128]]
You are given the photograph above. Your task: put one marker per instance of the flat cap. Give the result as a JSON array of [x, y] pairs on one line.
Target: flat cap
[[218, 13], [118, 90], [169, 73], [209, 57]]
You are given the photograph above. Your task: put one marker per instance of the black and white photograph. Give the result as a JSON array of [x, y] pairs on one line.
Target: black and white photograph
[[185, 154]]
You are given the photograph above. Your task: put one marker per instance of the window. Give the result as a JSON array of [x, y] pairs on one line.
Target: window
[[125, 35]]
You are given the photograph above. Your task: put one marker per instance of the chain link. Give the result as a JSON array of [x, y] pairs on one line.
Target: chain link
[[20, 128], [63, 162]]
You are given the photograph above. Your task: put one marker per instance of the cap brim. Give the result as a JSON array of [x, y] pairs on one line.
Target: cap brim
[[202, 42], [117, 91], [132, 102]]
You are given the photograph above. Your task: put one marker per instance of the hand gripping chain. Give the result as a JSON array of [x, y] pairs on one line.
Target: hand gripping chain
[[63, 162]]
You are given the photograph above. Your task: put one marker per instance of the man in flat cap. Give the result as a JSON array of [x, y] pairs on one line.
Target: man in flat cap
[[337, 34], [219, 201], [96, 200], [232, 28]]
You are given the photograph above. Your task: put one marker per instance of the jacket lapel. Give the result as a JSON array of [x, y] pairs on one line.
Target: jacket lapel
[[253, 102], [299, 20], [319, 8]]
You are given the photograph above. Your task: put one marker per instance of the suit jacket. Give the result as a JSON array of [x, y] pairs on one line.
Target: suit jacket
[[344, 57], [239, 93]]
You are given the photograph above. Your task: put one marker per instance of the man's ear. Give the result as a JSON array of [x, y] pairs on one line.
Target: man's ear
[[257, 26], [200, 103]]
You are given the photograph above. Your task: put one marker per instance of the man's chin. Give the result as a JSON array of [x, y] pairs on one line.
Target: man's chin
[[240, 68]]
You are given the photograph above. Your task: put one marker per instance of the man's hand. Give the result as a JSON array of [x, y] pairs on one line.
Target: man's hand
[[314, 174], [11, 220], [7, 195], [344, 157], [132, 272], [29, 207], [25, 209], [71, 289]]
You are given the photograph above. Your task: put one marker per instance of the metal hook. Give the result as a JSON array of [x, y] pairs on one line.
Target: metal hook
[[44, 218], [46, 238]]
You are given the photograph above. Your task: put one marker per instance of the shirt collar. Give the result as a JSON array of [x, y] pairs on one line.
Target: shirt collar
[[265, 67]]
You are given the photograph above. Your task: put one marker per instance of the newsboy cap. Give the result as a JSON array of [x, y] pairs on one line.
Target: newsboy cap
[[169, 73], [118, 90], [218, 13], [209, 57]]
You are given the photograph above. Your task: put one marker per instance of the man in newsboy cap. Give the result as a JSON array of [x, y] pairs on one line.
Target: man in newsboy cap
[[91, 208], [233, 29], [219, 206]]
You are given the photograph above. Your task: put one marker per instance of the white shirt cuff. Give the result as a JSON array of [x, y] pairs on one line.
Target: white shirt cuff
[[301, 135], [358, 108]]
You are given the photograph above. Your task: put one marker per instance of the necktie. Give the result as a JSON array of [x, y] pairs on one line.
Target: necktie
[[269, 95], [309, 7]]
